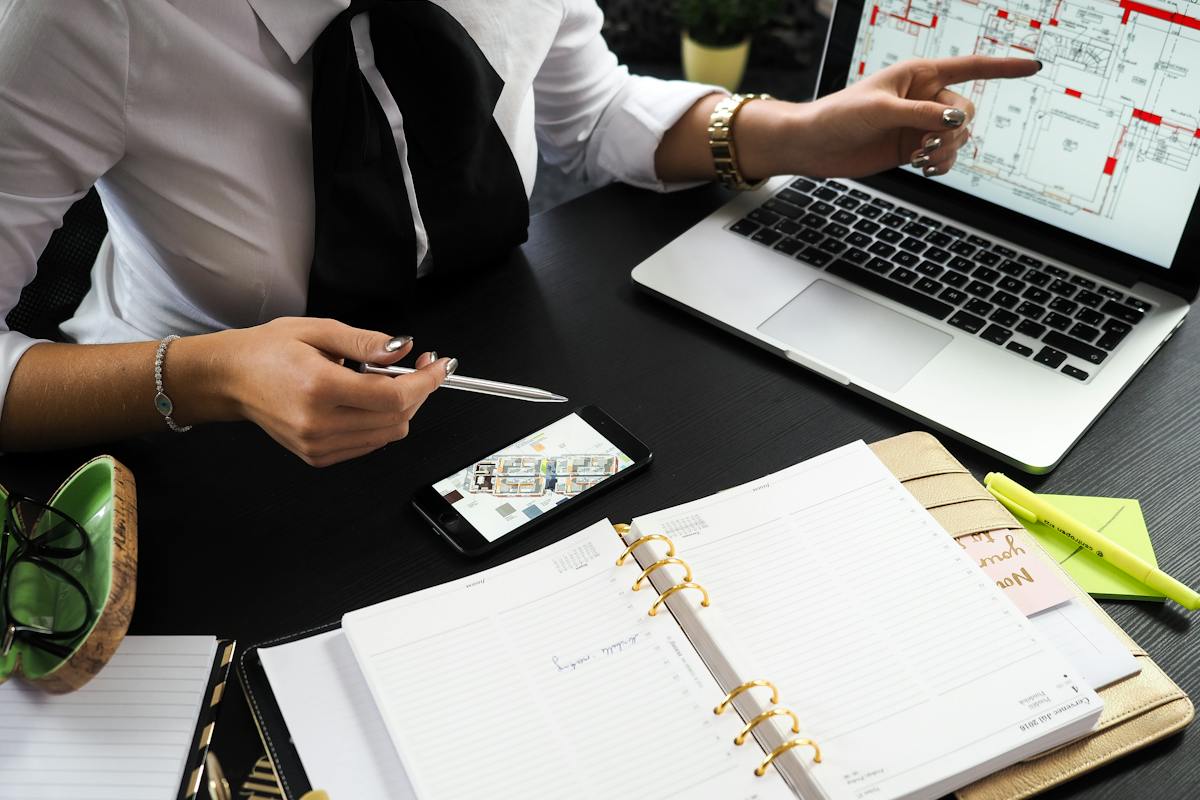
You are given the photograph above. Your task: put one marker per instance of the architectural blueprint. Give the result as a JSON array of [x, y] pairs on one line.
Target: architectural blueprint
[[1104, 141]]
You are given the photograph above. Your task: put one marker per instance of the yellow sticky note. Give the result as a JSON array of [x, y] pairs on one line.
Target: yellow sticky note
[[1117, 518]]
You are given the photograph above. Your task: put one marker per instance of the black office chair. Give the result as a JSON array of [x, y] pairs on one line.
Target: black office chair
[[64, 272]]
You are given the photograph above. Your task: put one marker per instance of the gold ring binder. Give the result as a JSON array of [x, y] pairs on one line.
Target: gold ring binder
[[763, 717], [662, 562], [783, 748], [641, 541], [621, 528], [724, 704], [679, 587]]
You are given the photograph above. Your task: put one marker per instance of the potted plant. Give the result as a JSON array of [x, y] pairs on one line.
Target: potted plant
[[716, 37]]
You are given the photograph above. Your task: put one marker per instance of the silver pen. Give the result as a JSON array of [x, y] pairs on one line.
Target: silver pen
[[463, 383]]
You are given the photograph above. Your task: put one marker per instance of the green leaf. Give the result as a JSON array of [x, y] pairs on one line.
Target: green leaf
[[723, 22]]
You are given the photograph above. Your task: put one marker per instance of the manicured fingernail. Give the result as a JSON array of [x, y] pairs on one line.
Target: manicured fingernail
[[396, 342], [930, 171], [931, 144], [432, 356], [1040, 65], [920, 160], [451, 367], [954, 117]]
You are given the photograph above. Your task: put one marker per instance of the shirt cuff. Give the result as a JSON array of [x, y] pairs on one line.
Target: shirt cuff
[[633, 125], [12, 347]]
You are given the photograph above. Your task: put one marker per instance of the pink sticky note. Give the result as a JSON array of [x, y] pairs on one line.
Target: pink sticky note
[[1007, 558]]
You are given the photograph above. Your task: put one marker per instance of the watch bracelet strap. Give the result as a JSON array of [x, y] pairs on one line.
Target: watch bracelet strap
[[721, 140], [162, 403]]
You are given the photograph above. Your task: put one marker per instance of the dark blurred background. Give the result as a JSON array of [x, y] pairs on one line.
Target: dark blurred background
[[645, 35]]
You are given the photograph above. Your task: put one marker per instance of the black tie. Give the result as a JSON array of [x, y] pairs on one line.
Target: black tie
[[469, 189]]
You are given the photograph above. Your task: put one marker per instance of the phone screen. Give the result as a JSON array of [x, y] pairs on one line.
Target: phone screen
[[519, 483]]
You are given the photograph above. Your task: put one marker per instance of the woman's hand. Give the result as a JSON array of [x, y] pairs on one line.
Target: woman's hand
[[900, 115], [286, 376]]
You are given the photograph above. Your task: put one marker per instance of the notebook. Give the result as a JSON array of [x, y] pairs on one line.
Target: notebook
[[891, 665], [139, 730]]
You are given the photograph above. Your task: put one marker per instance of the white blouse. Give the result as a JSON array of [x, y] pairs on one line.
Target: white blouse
[[192, 119]]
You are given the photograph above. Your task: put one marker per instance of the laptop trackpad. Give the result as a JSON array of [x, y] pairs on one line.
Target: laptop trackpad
[[856, 336]]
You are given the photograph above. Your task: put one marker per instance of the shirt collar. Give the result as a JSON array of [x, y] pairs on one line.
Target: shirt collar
[[296, 24]]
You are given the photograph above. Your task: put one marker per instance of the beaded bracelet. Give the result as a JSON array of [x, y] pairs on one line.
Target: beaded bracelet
[[161, 402]]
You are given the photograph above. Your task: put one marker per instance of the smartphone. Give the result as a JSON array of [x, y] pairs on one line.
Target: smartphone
[[500, 496]]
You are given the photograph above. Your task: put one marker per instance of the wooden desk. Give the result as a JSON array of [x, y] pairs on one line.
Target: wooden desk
[[240, 538]]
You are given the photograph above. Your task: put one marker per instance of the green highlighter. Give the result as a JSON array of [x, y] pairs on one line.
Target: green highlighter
[[1117, 518], [1030, 508]]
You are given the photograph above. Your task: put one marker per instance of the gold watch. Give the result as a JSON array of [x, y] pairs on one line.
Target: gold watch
[[721, 140]]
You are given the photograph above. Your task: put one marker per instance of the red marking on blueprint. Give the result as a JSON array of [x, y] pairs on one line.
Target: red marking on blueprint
[[914, 22], [1182, 20], [1074, 93], [990, 39], [1033, 23], [908, 10], [862, 67], [1054, 22], [1198, 133], [1026, 49], [874, 14], [1120, 141], [1110, 166], [1146, 116], [1002, 14]]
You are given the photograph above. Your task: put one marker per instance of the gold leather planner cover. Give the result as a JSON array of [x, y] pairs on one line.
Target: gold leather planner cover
[[1137, 710]]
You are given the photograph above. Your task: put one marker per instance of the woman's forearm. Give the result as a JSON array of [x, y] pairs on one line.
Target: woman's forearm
[[767, 133], [64, 395], [285, 376]]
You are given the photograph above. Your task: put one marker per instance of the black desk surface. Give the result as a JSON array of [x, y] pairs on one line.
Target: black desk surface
[[239, 538]]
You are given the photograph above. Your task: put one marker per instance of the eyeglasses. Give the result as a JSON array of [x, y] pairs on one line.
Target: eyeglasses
[[41, 602]]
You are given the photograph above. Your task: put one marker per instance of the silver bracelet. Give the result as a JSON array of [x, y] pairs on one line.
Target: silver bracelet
[[161, 401]]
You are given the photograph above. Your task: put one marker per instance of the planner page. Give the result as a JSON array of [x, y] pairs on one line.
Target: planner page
[[126, 735], [332, 720], [546, 677], [906, 664]]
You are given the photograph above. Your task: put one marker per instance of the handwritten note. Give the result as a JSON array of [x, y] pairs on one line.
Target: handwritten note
[[1005, 557], [615, 648]]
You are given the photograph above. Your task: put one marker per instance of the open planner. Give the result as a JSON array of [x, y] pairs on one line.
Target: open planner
[[853, 649]]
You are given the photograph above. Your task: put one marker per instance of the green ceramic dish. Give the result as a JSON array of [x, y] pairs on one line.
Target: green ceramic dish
[[101, 496]]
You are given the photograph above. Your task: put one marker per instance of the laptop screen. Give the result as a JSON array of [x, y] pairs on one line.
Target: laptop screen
[[1103, 142]]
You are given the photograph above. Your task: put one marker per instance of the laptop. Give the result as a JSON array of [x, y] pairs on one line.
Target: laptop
[[1008, 302]]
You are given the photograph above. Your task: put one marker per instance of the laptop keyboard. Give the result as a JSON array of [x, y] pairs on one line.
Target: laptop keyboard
[[1063, 320]]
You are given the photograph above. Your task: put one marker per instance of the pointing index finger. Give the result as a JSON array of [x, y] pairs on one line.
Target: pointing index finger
[[961, 69]]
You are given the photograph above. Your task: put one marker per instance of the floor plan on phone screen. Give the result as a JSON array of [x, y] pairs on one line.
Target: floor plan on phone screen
[[524, 480], [1112, 118]]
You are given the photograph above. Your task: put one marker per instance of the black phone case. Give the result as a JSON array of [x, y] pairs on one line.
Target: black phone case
[[454, 542]]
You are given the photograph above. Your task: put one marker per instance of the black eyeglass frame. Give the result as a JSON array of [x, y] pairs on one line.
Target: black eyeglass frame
[[37, 551]]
